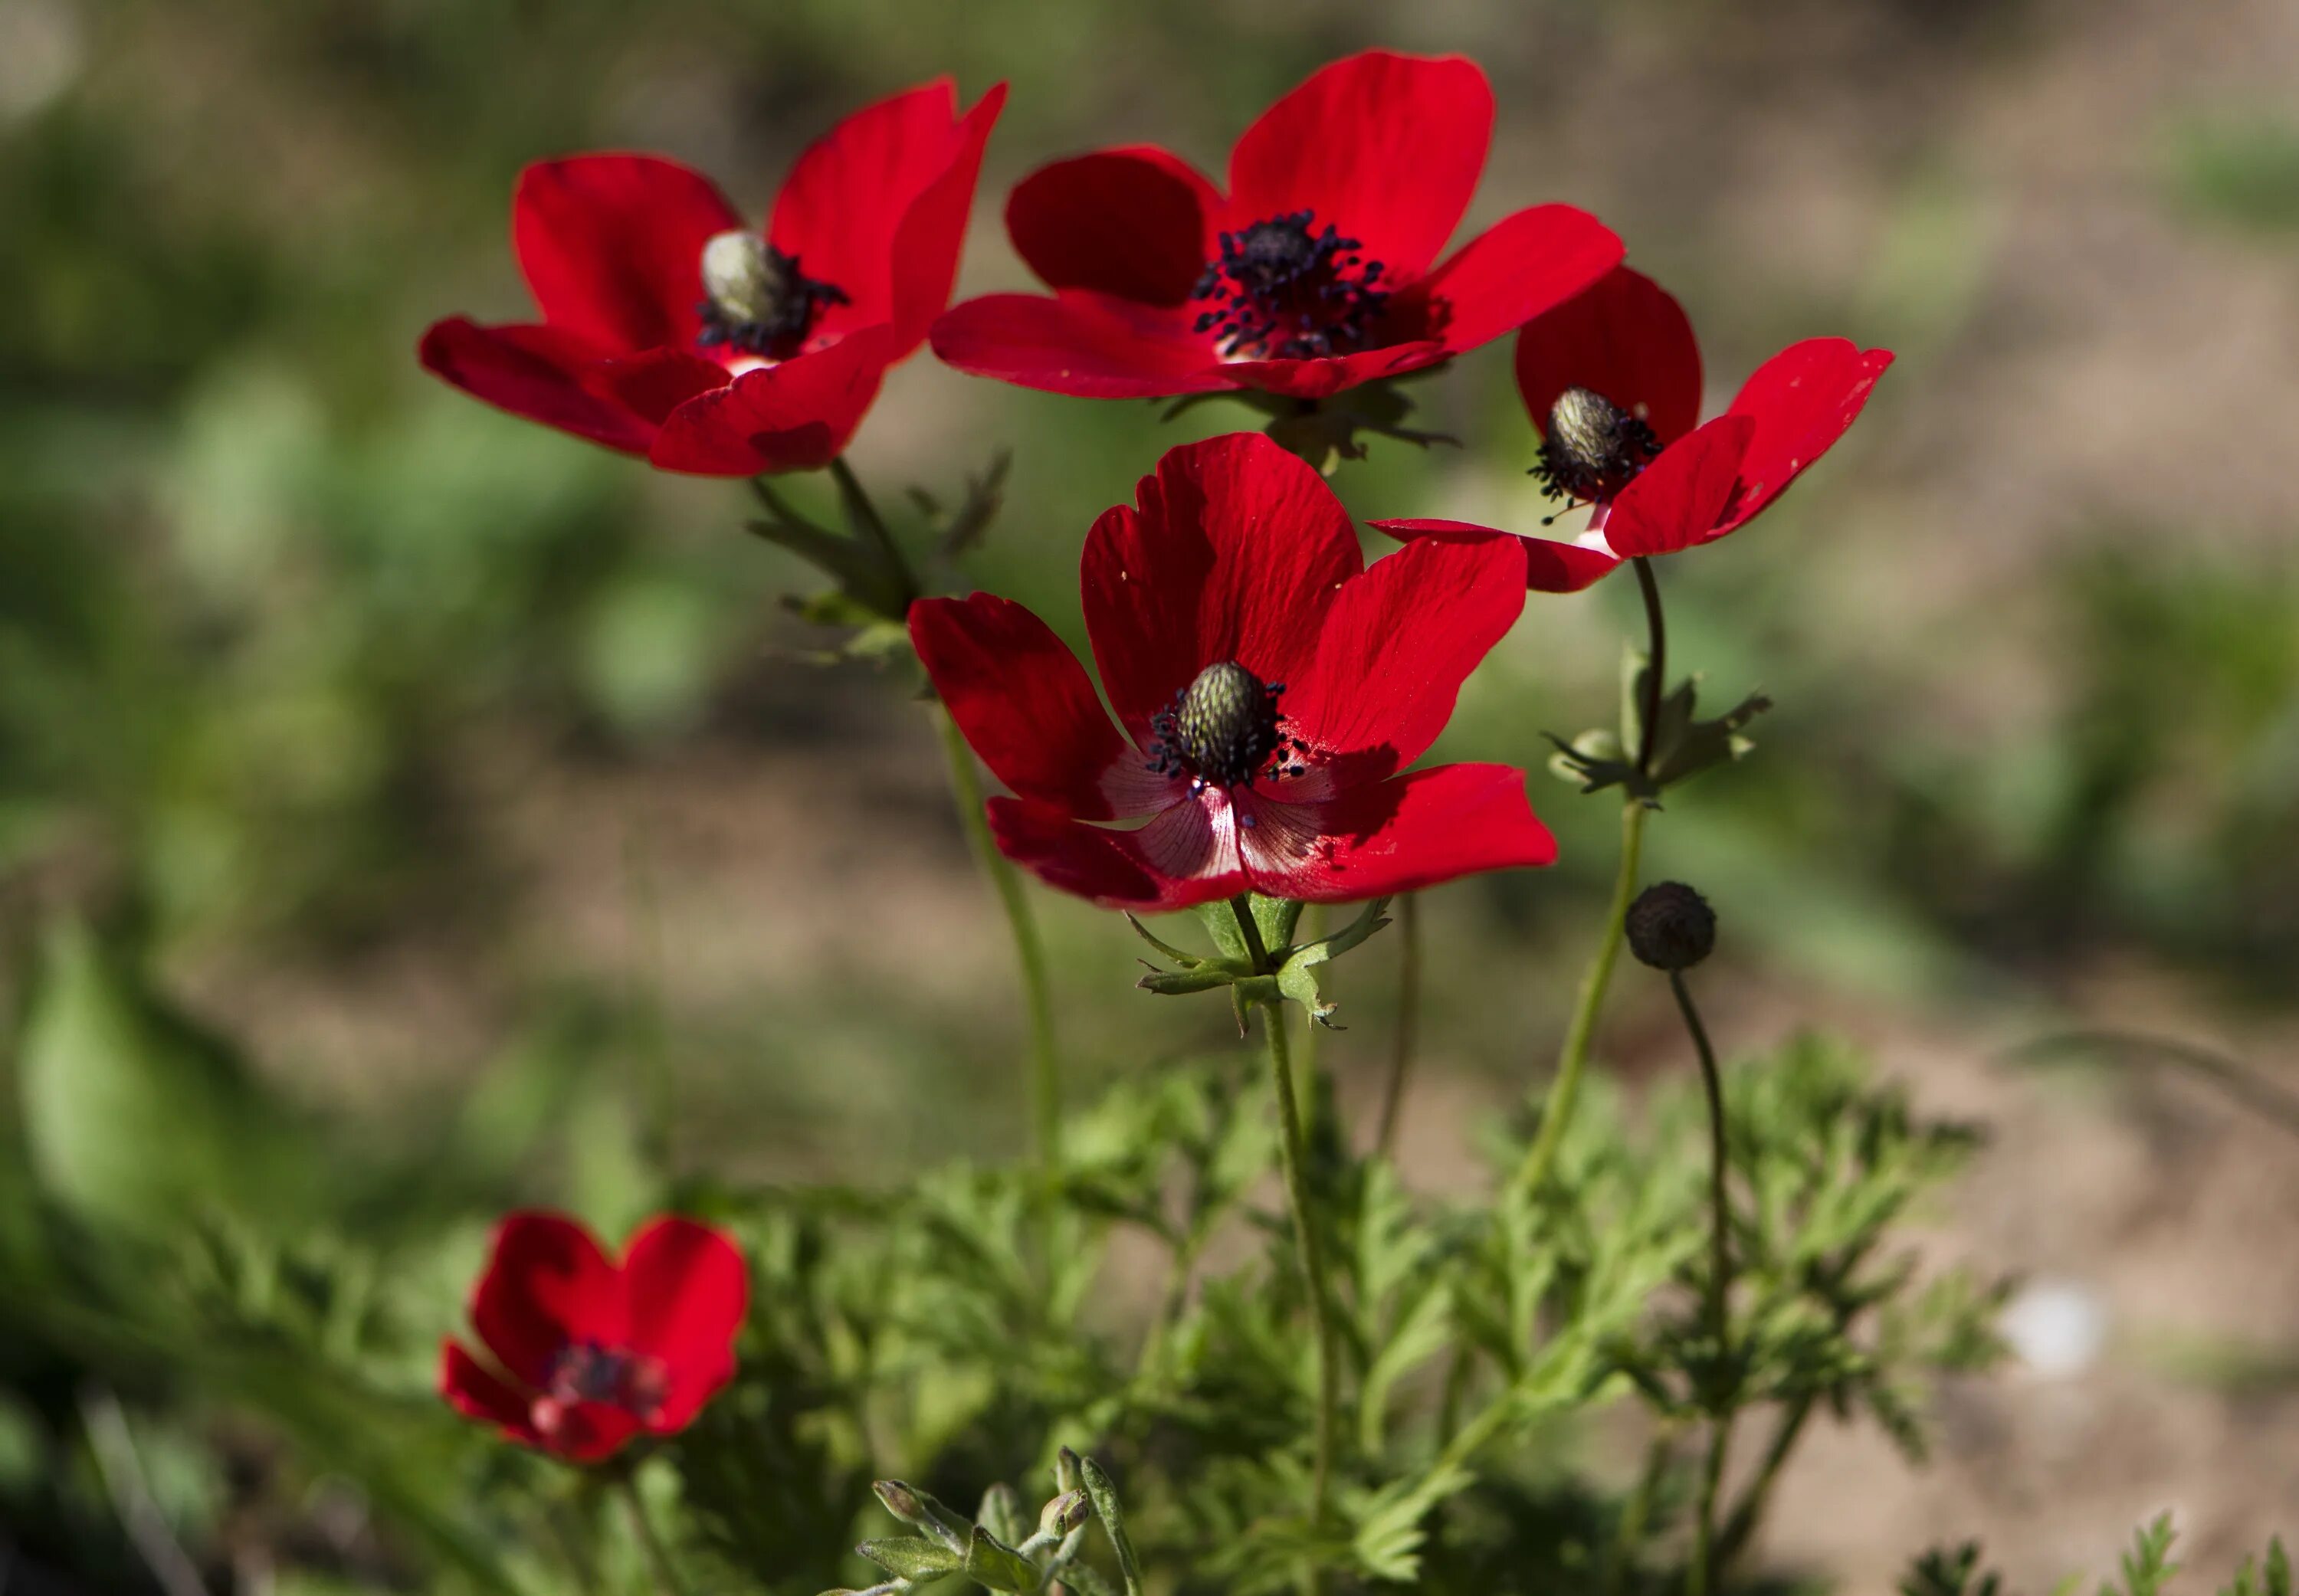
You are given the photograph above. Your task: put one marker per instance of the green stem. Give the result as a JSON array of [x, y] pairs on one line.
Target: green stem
[[1742, 1524], [874, 526], [1408, 1019], [658, 1556], [1029, 949], [1636, 1513], [1291, 1156], [1563, 1090], [1700, 1574]]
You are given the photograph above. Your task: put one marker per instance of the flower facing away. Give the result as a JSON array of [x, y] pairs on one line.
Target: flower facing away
[[586, 1352], [1612, 380], [670, 330], [1312, 274], [1270, 689]]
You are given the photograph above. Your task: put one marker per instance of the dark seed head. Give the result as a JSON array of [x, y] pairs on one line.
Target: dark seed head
[[1671, 927], [1594, 449], [1226, 724]]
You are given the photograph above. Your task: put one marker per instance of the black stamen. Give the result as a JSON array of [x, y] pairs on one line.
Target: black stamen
[[1282, 291], [585, 1371], [1222, 731], [1594, 449], [756, 299]]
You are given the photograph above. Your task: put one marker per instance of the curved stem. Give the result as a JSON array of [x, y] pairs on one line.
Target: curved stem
[[1700, 1574], [658, 1556], [1291, 1156], [1408, 1019], [1572, 1058], [1655, 661], [1029, 948]]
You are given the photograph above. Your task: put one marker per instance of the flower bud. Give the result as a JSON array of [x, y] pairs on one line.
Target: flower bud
[[1671, 927], [1067, 1475], [1065, 1513], [901, 1501]]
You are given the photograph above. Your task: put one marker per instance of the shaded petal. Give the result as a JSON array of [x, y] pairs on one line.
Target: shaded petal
[[583, 1432], [1399, 835], [546, 1284], [1235, 553], [653, 385], [537, 372], [476, 1392], [1029, 710], [1186, 856], [1550, 566], [1676, 502], [1802, 400], [933, 232], [1395, 647], [1136, 222], [1082, 343], [688, 1289], [1386, 147], [843, 204], [796, 415], [1524, 264], [1626, 338], [1329, 373], [611, 246]]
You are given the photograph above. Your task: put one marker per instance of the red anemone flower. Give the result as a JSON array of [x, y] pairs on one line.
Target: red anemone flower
[[1611, 381], [1313, 274], [1270, 688], [671, 330], [588, 1352]]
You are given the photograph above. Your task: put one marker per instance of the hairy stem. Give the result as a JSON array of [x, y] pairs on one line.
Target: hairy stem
[[1655, 661], [1572, 1058], [1700, 1574], [1291, 1154], [1408, 1019], [1029, 949]]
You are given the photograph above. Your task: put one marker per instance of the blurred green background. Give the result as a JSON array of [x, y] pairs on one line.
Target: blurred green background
[[428, 753]]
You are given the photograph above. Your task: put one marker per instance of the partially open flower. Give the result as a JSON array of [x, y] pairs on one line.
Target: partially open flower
[[1271, 688], [672, 330], [582, 1353], [1612, 382], [1316, 271]]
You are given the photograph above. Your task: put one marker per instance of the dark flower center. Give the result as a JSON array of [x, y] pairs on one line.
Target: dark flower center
[[585, 1371], [1221, 731], [1594, 449], [759, 302], [1282, 291]]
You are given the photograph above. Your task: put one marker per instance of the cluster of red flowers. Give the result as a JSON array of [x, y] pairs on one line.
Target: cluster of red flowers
[[1270, 691]]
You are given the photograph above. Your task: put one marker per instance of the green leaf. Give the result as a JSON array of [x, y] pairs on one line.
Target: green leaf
[[134, 1118], [1000, 1568], [1113, 1522], [912, 1557]]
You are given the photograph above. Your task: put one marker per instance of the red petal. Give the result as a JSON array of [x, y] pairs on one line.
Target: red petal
[[583, 1432], [1028, 708], [537, 372], [476, 1392], [1186, 856], [611, 246], [1396, 646], [1677, 501], [933, 232], [848, 197], [1523, 266], [1235, 554], [1138, 223], [1399, 835], [688, 1289], [653, 385], [546, 1284], [1388, 148], [1626, 338], [1801, 400], [1550, 566], [1329, 373], [1090, 344], [794, 417]]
